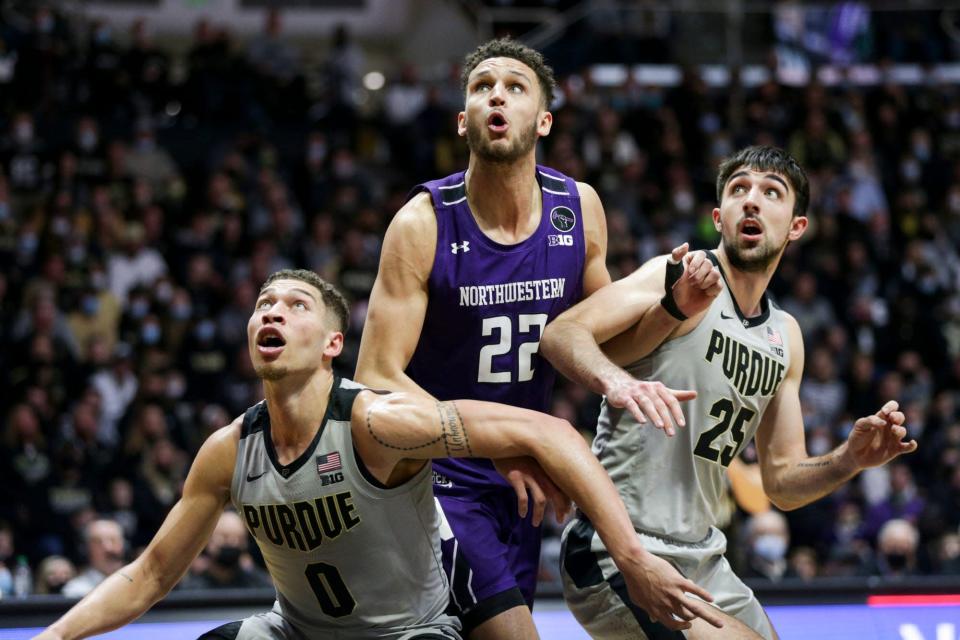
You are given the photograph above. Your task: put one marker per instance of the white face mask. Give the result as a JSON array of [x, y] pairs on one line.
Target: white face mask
[[770, 547]]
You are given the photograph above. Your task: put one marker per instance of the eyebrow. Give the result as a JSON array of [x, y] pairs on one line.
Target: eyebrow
[[263, 292], [489, 72], [769, 176]]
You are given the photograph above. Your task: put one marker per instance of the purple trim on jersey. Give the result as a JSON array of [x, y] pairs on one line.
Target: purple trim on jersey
[[488, 303]]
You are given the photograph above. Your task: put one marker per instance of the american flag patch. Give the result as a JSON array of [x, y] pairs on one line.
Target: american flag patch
[[773, 336], [329, 462]]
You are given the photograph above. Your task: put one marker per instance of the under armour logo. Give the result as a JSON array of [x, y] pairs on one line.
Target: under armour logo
[[463, 246]]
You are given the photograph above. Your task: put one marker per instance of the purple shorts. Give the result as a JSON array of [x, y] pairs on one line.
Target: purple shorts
[[494, 557]]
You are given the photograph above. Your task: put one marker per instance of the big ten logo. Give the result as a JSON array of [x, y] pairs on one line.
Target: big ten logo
[[560, 241], [331, 478]]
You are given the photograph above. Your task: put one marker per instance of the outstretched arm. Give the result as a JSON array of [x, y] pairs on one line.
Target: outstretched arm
[[791, 478], [629, 312], [131, 591], [390, 428]]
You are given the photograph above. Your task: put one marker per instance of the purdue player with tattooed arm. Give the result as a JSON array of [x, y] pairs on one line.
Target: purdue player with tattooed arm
[[472, 269], [744, 356], [332, 482]]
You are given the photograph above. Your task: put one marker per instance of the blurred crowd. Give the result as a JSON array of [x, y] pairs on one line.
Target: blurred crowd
[[145, 193]]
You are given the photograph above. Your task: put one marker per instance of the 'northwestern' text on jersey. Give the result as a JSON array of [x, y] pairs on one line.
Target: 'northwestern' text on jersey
[[488, 304]]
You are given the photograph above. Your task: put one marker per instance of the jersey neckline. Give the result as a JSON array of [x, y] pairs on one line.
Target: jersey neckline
[[748, 323]]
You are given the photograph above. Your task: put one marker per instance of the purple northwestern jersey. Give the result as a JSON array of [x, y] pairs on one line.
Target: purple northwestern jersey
[[488, 304]]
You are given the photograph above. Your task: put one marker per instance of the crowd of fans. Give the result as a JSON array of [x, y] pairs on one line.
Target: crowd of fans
[[144, 196]]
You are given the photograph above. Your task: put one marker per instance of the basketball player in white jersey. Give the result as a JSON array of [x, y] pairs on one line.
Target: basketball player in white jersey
[[333, 483], [744, 357]]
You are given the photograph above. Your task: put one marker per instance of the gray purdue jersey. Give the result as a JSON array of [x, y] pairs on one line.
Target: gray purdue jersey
[[349, 558], [673, 487]]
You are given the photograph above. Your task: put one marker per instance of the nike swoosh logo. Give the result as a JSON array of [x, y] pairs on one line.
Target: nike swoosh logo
[[251, 477], [725, 316]]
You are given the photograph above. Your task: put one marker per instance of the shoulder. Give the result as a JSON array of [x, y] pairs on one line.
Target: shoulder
[[413, 230], [594, 220], [217, 456]]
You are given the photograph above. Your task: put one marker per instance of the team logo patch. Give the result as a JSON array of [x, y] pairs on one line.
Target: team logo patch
[[563, 219], [559, 241], [329, 462]]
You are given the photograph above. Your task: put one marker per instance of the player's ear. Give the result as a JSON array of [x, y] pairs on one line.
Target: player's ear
[[545, 123], [334, 344], [462, 124], [716, 219], [798, 226]]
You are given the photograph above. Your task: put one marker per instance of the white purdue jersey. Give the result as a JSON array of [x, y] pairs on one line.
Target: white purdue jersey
[[673, 487], [349, 558]]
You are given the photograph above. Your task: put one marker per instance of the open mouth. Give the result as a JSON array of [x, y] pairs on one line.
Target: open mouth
[[270, 341], [751, 229], [496, 122]]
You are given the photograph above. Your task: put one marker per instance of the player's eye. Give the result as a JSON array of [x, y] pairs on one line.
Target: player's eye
[[773, 193], [738, 188], [516, 88], [264, 304], [299, 305]]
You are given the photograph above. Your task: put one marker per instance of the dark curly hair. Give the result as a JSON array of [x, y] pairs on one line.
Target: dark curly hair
[[509, 48], [767, 158]]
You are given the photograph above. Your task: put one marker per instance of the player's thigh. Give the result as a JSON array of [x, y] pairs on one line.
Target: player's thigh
[[735, 598], [516, 623], [732, 629], [262, 626]]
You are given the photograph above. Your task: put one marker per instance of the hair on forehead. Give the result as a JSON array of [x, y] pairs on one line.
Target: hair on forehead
[[773, 160], [510, 48], [332, 299]]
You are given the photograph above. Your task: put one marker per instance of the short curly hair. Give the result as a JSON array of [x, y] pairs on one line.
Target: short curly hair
[[510, 48], [333, 300]]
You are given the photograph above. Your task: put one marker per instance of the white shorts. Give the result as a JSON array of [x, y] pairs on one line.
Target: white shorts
[[597, 596]]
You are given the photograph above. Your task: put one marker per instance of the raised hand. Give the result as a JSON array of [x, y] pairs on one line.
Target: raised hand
[[878, 439], [699, 284]]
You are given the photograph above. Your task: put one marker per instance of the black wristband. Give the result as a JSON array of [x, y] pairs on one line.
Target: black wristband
[[672, 273]]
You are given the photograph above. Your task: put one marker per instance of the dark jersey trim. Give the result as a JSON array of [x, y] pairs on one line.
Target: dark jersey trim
[[492, 606], [582, 565], [251, 420], [756, 321], [288, 470]]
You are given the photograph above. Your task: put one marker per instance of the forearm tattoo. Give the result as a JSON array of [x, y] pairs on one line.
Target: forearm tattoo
[[129, 579], [452, 430], [815, 465], [453, 434]]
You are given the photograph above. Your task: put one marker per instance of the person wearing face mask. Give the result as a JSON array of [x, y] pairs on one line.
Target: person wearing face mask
[[53, 574], [225, 563], [897, 549], [768, 539]]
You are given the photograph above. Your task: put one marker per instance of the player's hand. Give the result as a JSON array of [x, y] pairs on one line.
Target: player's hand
[[528, 479], [699, 285], [47, 634], [660, 590], [649, 400], [878, 439]]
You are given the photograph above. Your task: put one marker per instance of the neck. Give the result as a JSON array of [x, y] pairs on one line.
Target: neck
[[297, 406], [746, 287], [504, 197]]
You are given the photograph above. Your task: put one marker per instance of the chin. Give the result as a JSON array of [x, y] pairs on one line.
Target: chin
[[270, 372]]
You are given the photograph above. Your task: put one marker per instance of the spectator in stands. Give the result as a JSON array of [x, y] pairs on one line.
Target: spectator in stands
[[225, 563], [768, 539], [897, 549], [105, 549], [53, 574]]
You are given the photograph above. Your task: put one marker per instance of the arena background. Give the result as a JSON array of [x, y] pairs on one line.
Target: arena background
[[159, 158]]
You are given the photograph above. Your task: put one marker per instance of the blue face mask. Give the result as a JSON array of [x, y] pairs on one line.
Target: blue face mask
[[205, 331], [770, 547], [150, 334], [90, 305]]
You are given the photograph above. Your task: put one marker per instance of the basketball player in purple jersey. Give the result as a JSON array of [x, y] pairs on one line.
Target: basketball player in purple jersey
[[472, 269]]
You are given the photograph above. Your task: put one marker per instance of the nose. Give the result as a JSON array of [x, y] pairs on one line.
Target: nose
[[497, 94], [273, 315], [751, 204]]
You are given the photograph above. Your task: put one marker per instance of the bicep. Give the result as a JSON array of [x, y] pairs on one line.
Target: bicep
[[780, 435], [397, 305], [619, 305], [595, 273], [389, 428]]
